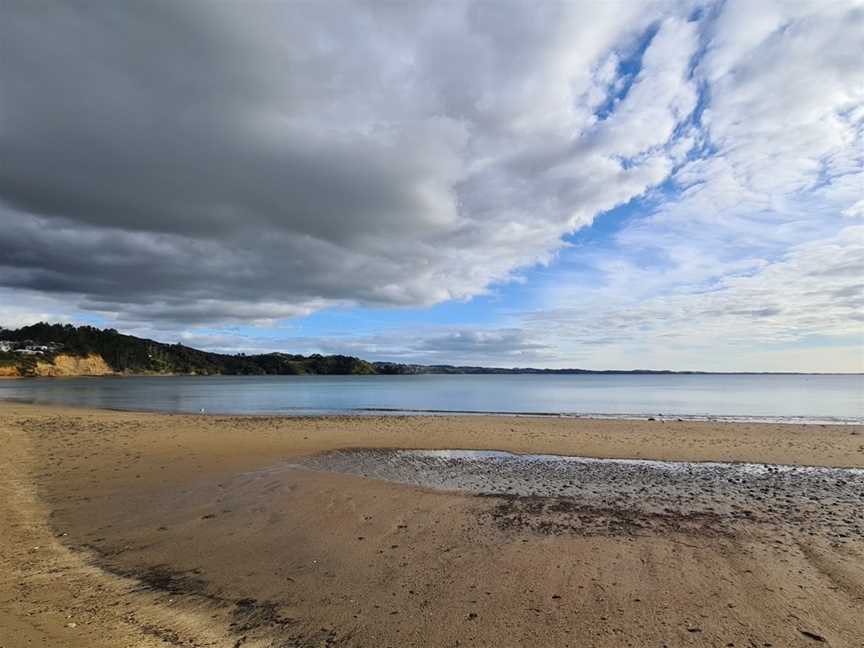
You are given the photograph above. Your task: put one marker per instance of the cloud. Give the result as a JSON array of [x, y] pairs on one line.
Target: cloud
[[752, 239], [697, 308], [507, 344], [813, 291], [191, 161]]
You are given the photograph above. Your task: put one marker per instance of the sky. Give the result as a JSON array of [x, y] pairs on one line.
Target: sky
[[662, 185]]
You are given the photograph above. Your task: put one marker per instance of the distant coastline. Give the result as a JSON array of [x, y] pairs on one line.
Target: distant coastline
[[64, 350]]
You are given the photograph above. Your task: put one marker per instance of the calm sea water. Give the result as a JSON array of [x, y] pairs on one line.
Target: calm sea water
[[808, 398]]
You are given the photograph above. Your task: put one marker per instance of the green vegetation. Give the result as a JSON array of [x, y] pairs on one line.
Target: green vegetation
[[131, 355]]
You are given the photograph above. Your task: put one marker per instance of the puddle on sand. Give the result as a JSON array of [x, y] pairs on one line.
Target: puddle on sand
[[826, 498]]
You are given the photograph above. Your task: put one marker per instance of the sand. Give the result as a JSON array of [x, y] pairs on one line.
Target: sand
[[131, 529]]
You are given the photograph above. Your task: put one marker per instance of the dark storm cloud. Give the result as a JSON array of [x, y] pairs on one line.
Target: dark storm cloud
[[148, 118], [189, 160]]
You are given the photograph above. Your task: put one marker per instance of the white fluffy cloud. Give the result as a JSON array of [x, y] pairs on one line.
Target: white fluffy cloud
[[815, 289], [754, 242]]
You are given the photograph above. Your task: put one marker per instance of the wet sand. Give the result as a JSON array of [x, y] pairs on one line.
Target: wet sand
[[634, 495], [129, 529]]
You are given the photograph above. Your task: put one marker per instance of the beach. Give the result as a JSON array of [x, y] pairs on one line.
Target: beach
[[145, 529]]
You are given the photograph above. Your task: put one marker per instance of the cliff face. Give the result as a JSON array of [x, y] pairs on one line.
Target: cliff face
[[67, 365]]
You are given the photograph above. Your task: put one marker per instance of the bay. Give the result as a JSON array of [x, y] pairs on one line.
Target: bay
[[792, 398]]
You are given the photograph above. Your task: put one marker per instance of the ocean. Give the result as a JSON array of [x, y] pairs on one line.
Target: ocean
[[784, 398]]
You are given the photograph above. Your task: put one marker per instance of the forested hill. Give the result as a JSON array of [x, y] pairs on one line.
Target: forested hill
[[28, 348]]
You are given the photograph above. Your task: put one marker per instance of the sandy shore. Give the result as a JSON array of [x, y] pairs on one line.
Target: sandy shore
[[130, 529]]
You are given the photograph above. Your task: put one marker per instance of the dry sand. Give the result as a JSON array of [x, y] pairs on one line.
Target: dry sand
[[129, 529]]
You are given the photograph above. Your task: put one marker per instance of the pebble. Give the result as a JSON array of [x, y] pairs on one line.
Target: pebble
[[816, 501]]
